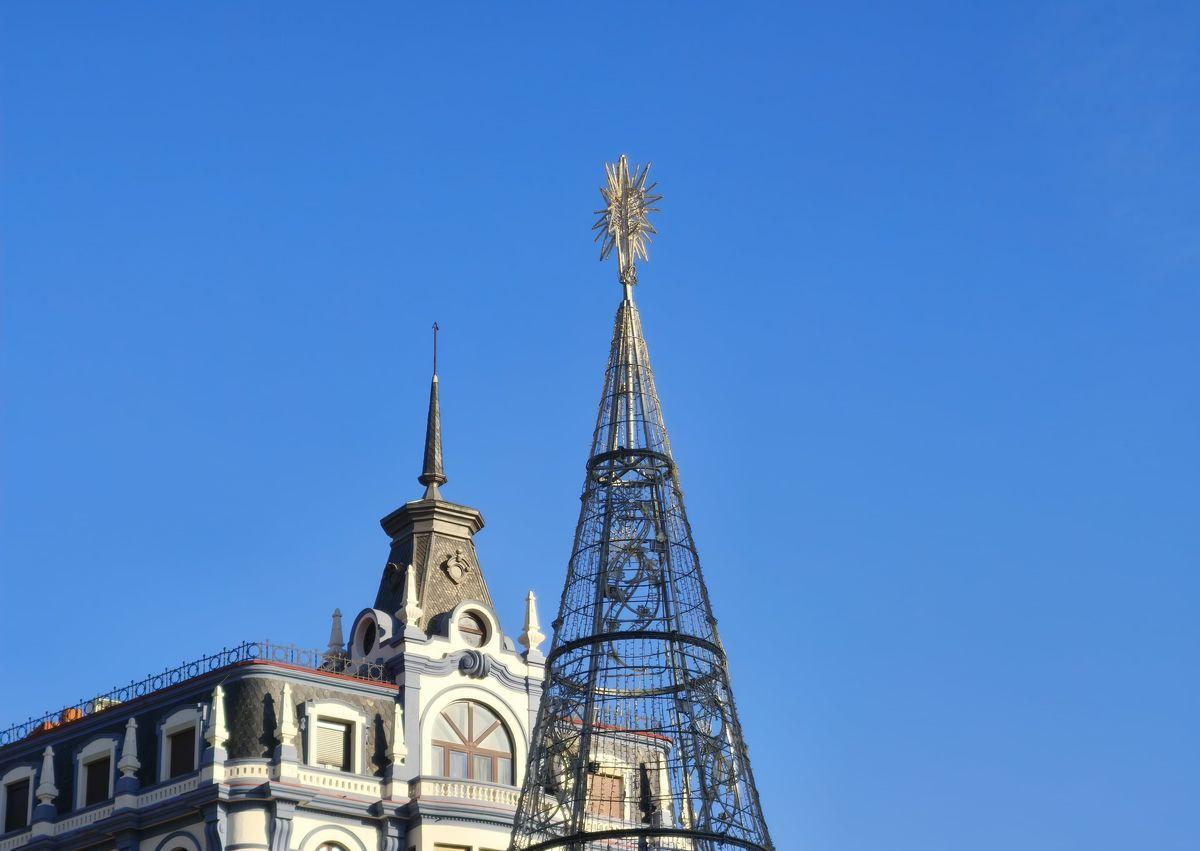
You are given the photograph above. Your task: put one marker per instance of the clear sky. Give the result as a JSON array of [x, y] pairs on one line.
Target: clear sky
[[923, 313]]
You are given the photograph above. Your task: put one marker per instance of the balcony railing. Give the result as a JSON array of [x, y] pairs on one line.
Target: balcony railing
[[247, 651]]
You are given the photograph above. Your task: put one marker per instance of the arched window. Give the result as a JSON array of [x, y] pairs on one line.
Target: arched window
[[330, 846], [472, 630], [471, 743]]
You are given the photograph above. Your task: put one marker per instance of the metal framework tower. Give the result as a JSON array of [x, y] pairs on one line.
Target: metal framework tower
[[637, 743]]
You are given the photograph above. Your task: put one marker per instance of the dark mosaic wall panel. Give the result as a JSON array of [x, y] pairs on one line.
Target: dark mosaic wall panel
[[252, 711]]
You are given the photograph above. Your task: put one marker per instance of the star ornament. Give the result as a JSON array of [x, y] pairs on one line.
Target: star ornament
[[624, 223]]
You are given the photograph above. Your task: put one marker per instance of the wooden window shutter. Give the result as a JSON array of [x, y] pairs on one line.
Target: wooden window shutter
[[606, 796]]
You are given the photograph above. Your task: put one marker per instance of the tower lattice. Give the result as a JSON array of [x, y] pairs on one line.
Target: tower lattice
[[637, 743]]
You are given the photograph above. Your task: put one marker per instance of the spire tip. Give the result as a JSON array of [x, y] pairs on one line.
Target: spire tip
[[432, 472]]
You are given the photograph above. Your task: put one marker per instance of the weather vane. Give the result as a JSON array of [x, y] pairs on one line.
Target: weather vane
[[624, 223]]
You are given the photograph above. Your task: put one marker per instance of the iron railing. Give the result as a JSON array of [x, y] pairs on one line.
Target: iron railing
[[247, 651]]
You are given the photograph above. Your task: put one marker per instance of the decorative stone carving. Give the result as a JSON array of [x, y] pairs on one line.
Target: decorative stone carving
[[216, 734], [397, 752], [214, 829], [411, 613], [281, 826], [531, 636], [475, 665], [456, 565], [129, 764], [46, 790], [285, 725]]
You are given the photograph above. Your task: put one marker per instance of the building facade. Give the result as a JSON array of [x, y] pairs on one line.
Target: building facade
[[412, 734]]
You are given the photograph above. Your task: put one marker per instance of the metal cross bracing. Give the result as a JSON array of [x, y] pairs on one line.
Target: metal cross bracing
[[637, 743]]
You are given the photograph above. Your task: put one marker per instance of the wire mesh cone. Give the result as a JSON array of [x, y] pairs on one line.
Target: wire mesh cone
[[637, 743]]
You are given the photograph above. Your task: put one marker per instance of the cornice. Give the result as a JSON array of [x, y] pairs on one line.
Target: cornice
[[432, 515]]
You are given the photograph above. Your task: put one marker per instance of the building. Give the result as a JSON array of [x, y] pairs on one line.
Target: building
[[411, 735]]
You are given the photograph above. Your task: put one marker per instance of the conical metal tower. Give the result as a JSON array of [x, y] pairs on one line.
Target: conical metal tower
[[637, 743]]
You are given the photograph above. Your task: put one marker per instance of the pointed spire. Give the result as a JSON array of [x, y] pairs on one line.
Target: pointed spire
[[531, 636], [285, 725], [397, 751], [411, 614], [46, 790], [129, 764], [216, 734], [432, 473], [337, 644]]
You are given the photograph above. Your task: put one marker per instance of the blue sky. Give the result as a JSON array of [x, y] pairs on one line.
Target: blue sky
[[923, 313]]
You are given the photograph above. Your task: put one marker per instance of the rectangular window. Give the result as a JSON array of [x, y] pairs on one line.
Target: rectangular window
[[458, 765], [16, 805], [483, 768], [437, 756], [606, 796], [181, 752], [333, 745], [504, 770], [96, 777]]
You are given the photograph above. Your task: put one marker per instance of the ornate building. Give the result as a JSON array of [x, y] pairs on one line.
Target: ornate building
[[428, 729], [411, 735]]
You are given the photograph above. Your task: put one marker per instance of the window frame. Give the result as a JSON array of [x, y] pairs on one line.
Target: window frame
[[334, 710], [345, 732], [18, 774], [621, 804], [93, 751], [177, 722], [479, 633], [470, 747]]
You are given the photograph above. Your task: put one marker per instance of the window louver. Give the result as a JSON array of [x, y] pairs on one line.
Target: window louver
[[333, 745]]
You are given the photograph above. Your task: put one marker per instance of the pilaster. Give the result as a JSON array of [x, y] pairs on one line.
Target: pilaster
[[214, 828], [281, 825]]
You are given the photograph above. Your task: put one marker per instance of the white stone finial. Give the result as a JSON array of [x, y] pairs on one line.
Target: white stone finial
[[129, 764], [46, 790], [411, 613], [532, 636], [398, 750], [286, 724], [216, 734]]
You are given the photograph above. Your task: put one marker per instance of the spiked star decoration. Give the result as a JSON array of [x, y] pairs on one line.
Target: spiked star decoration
[[624, 223]]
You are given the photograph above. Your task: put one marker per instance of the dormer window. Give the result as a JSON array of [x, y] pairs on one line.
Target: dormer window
[[179, 743], [472, 630], [97, 780], [334, 736], [181, 752], [334, 744], [16, 802], [94, 771], [16, 805]]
